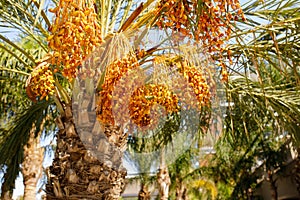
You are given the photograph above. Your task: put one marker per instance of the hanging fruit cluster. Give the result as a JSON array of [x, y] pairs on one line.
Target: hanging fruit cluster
[[207, 21], [214, 22], [41, 82], [197, 82], [176, 15], [74, 34], [114, 73], [147, 97], [141, 101]]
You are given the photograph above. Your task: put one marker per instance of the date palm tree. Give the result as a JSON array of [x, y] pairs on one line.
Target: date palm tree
[[117, 32], [76, 172]]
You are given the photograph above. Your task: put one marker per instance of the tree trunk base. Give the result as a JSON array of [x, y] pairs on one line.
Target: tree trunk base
[[76, 173]]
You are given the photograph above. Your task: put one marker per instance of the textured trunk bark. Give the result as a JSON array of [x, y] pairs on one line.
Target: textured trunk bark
[[273, 186], [32, 166], [144, 193], [163, 178], [180, 191], [76, 173], [164, 183]]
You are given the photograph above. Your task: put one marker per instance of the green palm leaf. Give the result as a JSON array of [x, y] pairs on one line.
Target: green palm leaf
[[15, 134]]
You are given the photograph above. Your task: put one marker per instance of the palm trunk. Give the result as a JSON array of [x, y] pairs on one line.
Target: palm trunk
[[180, 190], [273, 186], [32, 165], [274, 190], [144, 193], [163, 178], [76, 173]]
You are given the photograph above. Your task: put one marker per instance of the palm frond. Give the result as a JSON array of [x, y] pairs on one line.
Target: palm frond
[[15, 134], [270, 36], [274, 108], [265, 70], [29, 20], [26, 16], [15, 67]]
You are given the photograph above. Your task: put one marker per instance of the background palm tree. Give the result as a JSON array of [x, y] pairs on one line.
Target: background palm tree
[[262, 97], [15, 106], [32, 166], [143, 165]]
